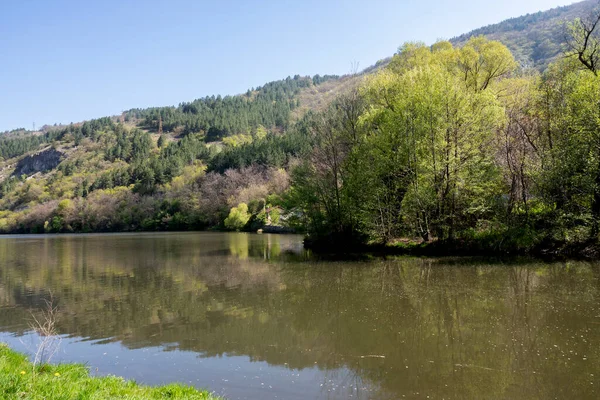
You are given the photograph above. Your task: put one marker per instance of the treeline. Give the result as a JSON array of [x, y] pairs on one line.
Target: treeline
[[11, 147], [214, 117], [194, 200], [516, 24], [456, 144], [219, 117], [16, 146]]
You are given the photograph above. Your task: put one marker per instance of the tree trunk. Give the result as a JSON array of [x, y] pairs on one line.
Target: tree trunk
[[596, 205]]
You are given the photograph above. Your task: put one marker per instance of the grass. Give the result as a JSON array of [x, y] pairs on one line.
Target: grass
[[20, 379]]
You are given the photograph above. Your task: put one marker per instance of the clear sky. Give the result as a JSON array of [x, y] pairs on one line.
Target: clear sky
[[70, 60]]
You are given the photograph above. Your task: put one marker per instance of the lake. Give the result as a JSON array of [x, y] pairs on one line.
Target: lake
[[257, 317]]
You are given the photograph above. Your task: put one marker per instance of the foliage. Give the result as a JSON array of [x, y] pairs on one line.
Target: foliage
[[219, 117], [273, 150], [418, 156], [455, 145], [238, 217]]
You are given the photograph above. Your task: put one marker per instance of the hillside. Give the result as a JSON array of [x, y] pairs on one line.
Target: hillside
[[534, 39], [189, 166], [161, 167]]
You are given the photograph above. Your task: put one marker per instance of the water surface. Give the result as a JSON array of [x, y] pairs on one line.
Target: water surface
[[256, 317]]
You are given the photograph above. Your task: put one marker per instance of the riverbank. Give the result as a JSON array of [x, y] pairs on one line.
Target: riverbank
[[274, 229], [554, 250], [19, 379]]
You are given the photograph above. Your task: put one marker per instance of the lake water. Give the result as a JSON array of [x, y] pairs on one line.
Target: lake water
[[256, 317]]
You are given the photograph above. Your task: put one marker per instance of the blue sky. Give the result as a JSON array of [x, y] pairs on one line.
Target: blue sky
[[67, 61]]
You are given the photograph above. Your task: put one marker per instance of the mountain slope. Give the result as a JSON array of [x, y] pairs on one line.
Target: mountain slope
[[186, 166], [534, 39]]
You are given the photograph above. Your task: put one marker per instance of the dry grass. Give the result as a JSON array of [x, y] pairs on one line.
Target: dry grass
[[317, 98], [45, 325]]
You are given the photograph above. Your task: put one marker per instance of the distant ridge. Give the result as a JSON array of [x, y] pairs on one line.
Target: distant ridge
[[535, 39]]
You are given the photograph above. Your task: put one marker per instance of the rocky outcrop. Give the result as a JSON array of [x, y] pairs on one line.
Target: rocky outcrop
[[42, 161]]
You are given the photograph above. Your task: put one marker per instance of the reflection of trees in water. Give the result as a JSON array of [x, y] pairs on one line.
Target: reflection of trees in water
[[408, 325], [127, 279]]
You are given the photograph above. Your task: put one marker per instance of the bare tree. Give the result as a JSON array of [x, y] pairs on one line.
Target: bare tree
[[582, 40], [351, 106]]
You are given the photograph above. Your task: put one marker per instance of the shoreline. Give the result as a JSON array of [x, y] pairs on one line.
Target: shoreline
[[19, 377], [271, 229], [558, 250], [588, 250]]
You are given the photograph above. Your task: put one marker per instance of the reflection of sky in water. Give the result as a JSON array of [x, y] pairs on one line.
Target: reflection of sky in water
[[232, 377]]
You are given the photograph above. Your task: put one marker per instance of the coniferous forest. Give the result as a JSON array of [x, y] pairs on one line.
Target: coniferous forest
[[446, 146]]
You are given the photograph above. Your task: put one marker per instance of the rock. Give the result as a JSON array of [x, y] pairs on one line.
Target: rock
[[42, 161]]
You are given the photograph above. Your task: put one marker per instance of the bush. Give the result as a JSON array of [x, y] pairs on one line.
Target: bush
[[238, 217]]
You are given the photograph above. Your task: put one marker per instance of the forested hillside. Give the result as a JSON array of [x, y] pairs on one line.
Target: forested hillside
[[219, 117], [161, 168], [440, 143], [534, 39]]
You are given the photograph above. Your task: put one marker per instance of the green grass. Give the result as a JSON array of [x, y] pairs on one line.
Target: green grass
[[19, 379]]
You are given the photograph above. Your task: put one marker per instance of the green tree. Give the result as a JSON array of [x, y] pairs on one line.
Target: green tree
[[161, 141], [430, 128], [238, 217]]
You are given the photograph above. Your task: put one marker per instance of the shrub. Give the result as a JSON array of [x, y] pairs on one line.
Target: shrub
[[238, 217]]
